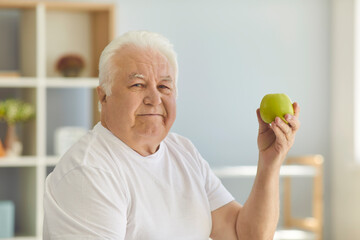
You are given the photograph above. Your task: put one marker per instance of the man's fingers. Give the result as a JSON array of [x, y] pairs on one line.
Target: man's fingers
[[293, 121], [285, 128], [296, 109], [280, 135]]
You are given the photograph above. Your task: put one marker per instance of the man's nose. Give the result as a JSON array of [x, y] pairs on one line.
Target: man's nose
[[153, 96]]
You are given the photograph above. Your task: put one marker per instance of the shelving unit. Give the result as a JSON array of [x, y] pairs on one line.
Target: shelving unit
[[38, 33]]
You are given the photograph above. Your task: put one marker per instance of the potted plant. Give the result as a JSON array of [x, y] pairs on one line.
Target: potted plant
[[13, 111]]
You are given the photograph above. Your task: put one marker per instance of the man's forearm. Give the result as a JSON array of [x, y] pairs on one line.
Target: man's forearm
[[260, 214]]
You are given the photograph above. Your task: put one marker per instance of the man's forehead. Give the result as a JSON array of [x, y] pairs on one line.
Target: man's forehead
[[133, 68], [141, 55], [135, 62]]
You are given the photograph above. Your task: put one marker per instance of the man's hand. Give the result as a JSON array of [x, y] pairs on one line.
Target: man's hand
[[276, 139]]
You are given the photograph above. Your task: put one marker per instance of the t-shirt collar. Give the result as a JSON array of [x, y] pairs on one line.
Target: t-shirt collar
[[104, 131]]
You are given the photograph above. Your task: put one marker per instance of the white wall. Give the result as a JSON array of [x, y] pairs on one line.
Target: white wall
[[231, 53], [345, 173]]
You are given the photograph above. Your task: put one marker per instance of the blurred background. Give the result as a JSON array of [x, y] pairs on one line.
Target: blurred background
[[230, 53]]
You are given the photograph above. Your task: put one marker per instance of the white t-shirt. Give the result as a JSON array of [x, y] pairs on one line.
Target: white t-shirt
[[102, 189]]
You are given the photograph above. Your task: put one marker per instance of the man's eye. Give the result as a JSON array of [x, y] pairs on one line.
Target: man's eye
[[137, 85], [164, 87]]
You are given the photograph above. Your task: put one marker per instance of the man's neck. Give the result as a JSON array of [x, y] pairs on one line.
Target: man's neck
[[144, 146]]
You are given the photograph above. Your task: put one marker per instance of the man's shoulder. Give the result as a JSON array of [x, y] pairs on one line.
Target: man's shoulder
[[81, 148], [84, 153]]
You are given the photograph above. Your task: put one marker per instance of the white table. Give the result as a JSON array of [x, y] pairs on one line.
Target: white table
[[250, 171]]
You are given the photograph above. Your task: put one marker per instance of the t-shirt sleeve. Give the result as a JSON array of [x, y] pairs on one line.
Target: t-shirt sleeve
[[217, 194], [87, 203]]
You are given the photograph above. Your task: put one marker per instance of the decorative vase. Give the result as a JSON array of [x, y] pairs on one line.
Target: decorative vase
[[2, 150], [71, 72], [13, 146], [70, 65], [7, 219]]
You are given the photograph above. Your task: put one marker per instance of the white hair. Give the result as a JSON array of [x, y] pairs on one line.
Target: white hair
[[142, 39]]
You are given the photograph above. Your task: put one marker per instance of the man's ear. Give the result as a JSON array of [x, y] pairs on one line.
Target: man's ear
[[101, 94]]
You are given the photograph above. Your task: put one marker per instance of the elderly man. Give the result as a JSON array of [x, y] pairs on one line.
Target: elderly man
[[129, 178]]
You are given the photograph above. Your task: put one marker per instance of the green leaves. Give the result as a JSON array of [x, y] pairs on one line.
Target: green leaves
[[14, 110]]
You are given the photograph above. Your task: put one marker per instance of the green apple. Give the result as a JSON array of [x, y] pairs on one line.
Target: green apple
[[275, 105]]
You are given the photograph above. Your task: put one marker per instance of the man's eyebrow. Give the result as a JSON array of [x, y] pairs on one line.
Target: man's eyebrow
[[141, 76], [136, 75], [166, 78]]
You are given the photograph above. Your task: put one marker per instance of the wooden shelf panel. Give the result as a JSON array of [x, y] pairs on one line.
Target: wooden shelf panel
[[23, 161], [52, 160], [28, 161], [17, 4], [57, 5], [72, 82], [22, 82], [79, 6], [60, 82], [21, 238]]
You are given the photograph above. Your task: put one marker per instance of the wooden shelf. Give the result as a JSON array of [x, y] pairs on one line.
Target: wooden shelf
[[22, 82], [23, 161], [72, 82], [55, 82], [51, 161], [17, 4], [22, 238]]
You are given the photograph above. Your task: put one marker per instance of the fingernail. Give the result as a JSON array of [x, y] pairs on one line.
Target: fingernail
[[288, 116]]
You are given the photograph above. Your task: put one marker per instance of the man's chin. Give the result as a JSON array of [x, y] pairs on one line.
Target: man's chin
[[155, 132]]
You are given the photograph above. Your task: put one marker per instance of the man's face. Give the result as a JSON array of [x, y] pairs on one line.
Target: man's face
[[142, 106]]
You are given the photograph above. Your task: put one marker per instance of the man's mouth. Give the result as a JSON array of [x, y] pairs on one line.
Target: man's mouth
[[150, 115]]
